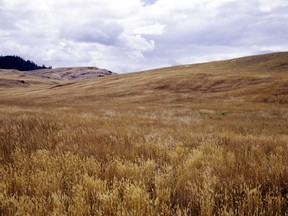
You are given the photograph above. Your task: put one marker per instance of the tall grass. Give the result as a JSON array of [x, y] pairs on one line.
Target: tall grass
[[143, 161]]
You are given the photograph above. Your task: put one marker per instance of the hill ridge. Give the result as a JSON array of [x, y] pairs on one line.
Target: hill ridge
[[279, 60], [71, 73], [263, 81]]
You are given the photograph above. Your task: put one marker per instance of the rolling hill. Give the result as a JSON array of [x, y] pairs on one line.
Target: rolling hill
[[72, 73], [201, 139], [261, 78]]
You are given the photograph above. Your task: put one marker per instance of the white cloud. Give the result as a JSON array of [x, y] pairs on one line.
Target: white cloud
[[129, 35], [153, 29], [96, 31], [137, 42]]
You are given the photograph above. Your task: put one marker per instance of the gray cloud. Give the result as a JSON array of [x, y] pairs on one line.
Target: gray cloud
[[129, 35], [235, 29], [97, 31]]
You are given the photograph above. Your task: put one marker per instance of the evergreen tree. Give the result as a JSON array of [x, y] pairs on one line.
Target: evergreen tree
[[18, 63]]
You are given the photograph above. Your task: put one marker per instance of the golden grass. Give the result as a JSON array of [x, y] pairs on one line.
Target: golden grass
[[181, 143]]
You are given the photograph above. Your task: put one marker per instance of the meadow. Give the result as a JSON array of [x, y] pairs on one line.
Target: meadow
[[175, 141]]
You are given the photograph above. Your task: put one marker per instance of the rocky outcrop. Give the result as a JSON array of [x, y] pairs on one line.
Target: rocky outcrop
[[71, 73]]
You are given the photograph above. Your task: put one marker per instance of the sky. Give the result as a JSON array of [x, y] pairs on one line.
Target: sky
[[134, 35]]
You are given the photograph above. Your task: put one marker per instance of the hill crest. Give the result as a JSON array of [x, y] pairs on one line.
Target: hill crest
[[71, 73], [261, 79]]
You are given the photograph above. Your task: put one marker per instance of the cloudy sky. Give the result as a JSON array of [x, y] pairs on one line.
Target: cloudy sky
[[133, 35]]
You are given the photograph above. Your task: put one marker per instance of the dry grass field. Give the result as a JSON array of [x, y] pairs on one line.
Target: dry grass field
[[205, 139]]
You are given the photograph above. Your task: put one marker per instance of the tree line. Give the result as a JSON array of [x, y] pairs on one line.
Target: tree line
[[18, 63]]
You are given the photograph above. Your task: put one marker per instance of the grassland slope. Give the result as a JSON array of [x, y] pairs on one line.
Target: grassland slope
[[260, 78], [70, 73], [204, 139]]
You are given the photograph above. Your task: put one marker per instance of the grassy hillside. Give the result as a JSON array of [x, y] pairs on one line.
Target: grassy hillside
[[14, 79], [205, 139], [252, 79]]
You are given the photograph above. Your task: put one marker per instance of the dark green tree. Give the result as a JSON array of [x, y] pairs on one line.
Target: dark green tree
[[18, 63]]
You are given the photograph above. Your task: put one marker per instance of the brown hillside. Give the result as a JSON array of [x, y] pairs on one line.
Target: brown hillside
[[260, 78], [15, 78], [202, 139], [70, 73]]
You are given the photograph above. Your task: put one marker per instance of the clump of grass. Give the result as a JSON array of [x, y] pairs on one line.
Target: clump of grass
[[178, 162]]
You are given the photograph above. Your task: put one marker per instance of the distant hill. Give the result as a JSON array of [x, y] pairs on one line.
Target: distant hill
[[70, 73], [18, 63], [261, 79], [32, 69]]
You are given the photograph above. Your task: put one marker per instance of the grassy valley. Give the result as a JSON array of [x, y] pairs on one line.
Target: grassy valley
[[202, 139]]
